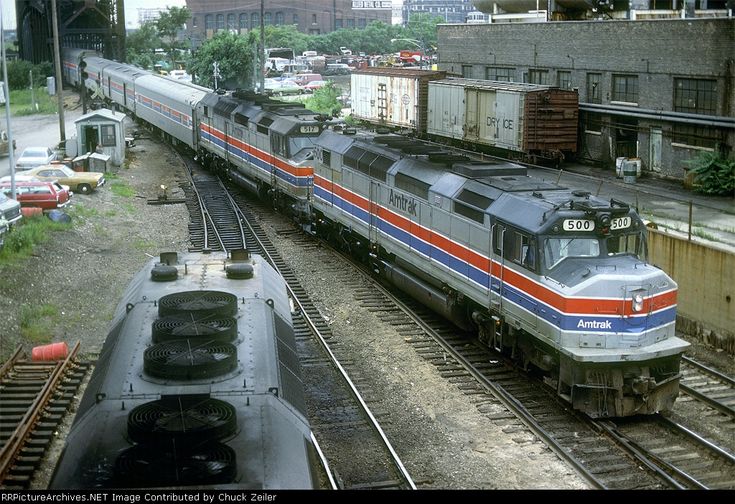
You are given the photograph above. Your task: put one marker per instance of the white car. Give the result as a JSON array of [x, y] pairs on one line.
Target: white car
[[34, 156]]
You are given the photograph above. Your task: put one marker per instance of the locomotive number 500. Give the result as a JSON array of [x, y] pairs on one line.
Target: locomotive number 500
[[578, 225]]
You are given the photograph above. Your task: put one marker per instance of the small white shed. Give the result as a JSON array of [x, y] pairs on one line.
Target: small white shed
[[102, 131]]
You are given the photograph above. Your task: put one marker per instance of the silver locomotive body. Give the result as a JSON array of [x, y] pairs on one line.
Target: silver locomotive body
[[198, 384]]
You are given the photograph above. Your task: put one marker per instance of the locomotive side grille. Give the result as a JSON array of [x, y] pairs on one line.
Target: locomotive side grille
[[189, 359], [206, 464], [180, 421], [220, 329], [198, 304]]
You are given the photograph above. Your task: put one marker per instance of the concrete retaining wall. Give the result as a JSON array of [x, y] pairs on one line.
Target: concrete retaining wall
[[706, 278]]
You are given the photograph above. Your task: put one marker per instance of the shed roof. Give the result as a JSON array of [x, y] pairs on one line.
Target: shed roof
[[102, 114]]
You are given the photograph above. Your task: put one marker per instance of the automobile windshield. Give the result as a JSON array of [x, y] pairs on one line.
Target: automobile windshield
[[35, 153], [630, 243], [67, 171], [558, 249]]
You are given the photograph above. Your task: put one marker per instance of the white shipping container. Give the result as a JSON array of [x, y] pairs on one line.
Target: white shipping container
[[386, 99]]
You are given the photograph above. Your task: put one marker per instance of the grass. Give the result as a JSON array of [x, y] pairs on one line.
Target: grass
[[37, 322], [20, 102], [122, 189], [23, 239]]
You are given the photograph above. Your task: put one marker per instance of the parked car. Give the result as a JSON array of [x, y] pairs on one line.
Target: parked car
[[34, 156], [337, 69], [304, 78], [9, 209], [82, 182], [4, 228], [309, 87], [282, 87], [39, 194]]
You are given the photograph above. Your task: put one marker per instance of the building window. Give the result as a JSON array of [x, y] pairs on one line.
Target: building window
[[267, 18], [231, 22], [209, 22], [466, 71], [194, 22], [695, 96], [280, 18], [500, 74], [538, 77], [337, 24], [295, 19], [564, 79], [695, 136], [107, 135], [243, 21], [625, 88], [350, 23], [254, 20], [220, 21], [313, 19], [594, 93], [592, 123], [361, 23]]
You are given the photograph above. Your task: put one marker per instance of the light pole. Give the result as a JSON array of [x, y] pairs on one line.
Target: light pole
[[415, 42], [11, 153]]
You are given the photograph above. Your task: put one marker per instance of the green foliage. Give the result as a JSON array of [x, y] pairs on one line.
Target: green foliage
[[22, 240], [233, 53], [20, 102], [142, 44], [325, 100], [18, 74], [121, 188], [37, 322], [713, 174]]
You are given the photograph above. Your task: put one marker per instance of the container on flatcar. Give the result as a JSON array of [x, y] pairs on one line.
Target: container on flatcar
[[525, 118], [392, 96]]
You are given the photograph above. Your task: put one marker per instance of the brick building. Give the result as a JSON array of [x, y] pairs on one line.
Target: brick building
[[662, 90], [312, 16]]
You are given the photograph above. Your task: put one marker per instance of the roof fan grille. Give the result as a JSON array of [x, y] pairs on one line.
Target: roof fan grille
[[220, 329], [189, 359], [198, 304], [181, 419], [146, 466]]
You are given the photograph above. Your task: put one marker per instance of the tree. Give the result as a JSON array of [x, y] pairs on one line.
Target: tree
[[141, 45], [325, 100], [169, 23], [234, 55]]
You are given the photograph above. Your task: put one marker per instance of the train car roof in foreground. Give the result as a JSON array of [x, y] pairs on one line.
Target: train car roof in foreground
[[174, 90]]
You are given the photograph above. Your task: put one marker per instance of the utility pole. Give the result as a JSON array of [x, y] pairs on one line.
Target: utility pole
[[261, 57], [59, 85], [11, 144], [216, 74]]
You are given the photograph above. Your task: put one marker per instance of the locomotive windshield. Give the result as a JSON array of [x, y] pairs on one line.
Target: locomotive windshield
[[298, 143], [558, 249]]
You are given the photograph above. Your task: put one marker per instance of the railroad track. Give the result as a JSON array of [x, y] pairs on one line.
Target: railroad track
[[708, 386], [34, 398], [341, 421]]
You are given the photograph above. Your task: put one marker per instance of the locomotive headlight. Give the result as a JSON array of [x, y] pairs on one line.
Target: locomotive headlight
[[604, 221], [638, 302]]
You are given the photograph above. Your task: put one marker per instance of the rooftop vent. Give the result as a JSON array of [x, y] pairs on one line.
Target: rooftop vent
[[189, 359], [198, 304], [219, 329], [147, 466], [187, 420]]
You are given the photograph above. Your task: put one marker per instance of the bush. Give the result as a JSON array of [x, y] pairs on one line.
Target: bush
[[713, 174]]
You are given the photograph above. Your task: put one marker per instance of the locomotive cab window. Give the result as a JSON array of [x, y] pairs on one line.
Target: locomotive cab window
[[558, 249], [521, 250], [278, 144], [630, 243]]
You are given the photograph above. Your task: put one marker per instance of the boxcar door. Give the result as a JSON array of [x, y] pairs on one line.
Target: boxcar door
[[470, 116]]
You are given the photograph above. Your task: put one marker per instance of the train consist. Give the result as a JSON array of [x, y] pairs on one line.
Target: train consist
[[555, 278], [197, 384], [526, 121]]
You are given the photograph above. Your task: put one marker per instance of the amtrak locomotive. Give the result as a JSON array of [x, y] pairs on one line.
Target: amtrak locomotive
[[197, 384], [554, 277]]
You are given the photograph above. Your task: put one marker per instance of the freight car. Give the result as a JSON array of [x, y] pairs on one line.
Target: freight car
[[556, 278], [525, 121], [197, 384]]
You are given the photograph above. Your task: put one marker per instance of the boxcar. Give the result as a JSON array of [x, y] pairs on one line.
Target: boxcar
[[392, 96], [531, 119]]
